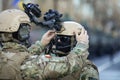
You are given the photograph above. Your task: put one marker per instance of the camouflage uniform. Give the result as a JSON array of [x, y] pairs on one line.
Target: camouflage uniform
[[38, 67], [12, 54], [11, 57]]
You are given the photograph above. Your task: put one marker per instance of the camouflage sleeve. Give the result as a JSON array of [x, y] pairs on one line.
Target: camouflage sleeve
[[80, 48], [36, 48], [77, 57], [89, 72]]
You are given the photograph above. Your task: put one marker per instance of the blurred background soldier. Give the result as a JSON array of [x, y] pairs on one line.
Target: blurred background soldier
[[65, 59]]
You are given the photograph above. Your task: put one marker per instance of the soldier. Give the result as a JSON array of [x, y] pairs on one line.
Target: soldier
[[14, 28], [68, 59], [14, 34]]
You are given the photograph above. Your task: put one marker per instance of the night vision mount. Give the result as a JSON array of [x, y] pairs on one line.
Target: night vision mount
[[52, 18]]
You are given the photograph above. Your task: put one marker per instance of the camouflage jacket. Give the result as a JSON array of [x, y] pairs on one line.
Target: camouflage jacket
[[38, 67], [11, 56]]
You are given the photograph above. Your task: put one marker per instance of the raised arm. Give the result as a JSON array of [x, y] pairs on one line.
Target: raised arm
[[82, 45], [39, 46]]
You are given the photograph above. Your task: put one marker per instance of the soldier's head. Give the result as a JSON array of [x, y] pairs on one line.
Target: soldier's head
[[65, 41], [14, 26]]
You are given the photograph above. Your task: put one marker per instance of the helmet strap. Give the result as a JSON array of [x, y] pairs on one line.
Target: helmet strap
[[5, 37], [26, 43], [73, 41]]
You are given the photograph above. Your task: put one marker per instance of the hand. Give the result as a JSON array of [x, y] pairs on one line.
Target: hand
[[46, 38], [82, 37]]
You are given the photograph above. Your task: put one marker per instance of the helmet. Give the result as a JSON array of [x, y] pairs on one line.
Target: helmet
[[11, 19], [70, 27], [14, 24], [65, 40]]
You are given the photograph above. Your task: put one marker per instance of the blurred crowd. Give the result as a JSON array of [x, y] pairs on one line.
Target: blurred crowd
[[100, 18]]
